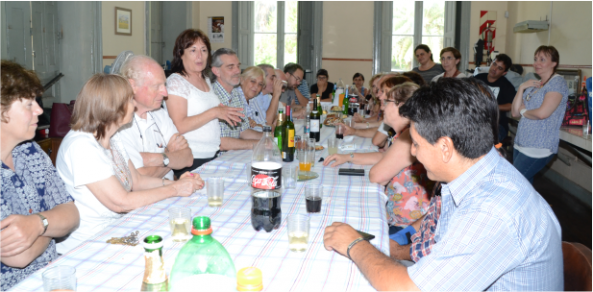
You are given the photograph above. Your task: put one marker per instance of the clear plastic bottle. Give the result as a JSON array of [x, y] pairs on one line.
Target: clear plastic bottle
[[203, 262], [266, 183]]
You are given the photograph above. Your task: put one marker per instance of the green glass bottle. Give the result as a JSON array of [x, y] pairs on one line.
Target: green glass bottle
[[202, 262], [319, 109], [288, 137], [346, 103], [279, 131], [155, 278]]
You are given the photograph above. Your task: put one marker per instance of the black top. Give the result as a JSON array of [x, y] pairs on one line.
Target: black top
[[504, 91], [324, 95]]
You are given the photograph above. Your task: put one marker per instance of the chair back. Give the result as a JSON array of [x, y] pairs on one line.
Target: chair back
[[577, 266]]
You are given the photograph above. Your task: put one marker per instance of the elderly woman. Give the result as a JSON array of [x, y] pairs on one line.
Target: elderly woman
[[428, 69], [36, 208], [95, 166], [323, 87], [252, 82], [450, 59], [192, 104], [541, 105]]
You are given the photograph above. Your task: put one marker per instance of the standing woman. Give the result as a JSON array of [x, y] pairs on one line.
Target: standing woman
[[428, 69], [541, 105], [323, 87], [450, 59], [36, 208], [192, 104]]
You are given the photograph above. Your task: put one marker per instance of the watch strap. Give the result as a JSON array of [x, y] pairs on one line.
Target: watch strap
[[165, 160], [44, 222]]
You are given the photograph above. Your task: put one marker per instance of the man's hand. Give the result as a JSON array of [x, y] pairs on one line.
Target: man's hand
[[232, 115], [357, 118], [277, 91], [177, 142], [348, 131], [252, 123], [338, 236], [338, 159], [18, 233]]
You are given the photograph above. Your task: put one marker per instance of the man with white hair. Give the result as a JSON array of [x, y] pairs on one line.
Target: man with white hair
[[151, 139]]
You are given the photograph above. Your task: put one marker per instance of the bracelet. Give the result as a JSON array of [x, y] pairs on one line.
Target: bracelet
[[367, 125], [353, 244], [164, 181], [522, 112], [351, 156]]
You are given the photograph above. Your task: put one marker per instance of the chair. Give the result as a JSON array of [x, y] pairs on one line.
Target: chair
[[577, 266]]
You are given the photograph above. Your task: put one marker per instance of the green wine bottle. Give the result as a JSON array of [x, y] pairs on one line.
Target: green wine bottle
[[279, 131]]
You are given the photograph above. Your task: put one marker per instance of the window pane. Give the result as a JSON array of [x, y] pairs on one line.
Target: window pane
[[403, 17], [290, 48], [265, 16], [433, 20], [265, 48], [436, 45], [401, 53], [290, 16]]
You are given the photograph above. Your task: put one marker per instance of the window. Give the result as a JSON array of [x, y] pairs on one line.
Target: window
[[275, 32], [411, 29]]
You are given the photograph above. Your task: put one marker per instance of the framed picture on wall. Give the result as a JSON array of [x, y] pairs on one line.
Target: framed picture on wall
[[573, 79], [123, 21]]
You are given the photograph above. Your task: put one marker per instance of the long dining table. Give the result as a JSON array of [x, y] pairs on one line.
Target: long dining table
[[350, 199]]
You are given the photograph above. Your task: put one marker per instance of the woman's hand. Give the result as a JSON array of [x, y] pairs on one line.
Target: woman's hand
[[18, 233], [337, 158], [231, 115], [530, 83], [348, 131], [357, 118], [187, 184]]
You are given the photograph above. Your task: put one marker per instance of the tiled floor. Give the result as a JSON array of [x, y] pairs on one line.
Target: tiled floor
[[574, 216]]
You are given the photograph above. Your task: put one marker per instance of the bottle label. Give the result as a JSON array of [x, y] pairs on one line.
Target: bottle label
[[315, 126], [266, 175], [291, 138]]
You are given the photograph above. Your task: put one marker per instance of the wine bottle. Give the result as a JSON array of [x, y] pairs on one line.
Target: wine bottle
[[288, 138], [315, 118]]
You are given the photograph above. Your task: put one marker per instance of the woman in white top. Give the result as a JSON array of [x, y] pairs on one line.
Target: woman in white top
[[450, 59], [192, 104], [96, 169]]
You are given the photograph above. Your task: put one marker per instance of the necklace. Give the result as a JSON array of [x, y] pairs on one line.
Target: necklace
[[533, 92]]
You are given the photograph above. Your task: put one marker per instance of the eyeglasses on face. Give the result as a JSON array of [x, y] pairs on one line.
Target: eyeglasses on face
[[297, 79], [396, 102]]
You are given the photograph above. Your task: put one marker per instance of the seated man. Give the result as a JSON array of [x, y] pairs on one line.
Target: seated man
[[503, 90], [292, 96], [152, 140], [266, 103], [227, 69], [495, 232]]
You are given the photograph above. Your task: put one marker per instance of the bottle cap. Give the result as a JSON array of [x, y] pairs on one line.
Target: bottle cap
[[267, 128], [249, 279], [201, 225]]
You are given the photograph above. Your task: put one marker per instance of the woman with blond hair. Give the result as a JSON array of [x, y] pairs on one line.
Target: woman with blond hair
[[252, 83], [95, 166]]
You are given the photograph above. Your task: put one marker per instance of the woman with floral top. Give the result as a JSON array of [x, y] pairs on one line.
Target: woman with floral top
[[36, 208]]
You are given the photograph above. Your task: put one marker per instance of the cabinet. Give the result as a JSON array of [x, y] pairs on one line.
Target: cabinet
[[51, 147]]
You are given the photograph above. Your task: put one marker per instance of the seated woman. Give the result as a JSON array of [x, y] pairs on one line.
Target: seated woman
[[96, 168], [323, 87], [450, 59], [407, 184], [428, 69], [361, 91], [252, 82], [36, 208]]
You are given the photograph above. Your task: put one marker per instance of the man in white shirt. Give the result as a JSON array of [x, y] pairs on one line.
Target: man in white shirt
[[151, 139]]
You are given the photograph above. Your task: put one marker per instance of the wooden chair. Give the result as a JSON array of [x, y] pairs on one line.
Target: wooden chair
[[577, 266]]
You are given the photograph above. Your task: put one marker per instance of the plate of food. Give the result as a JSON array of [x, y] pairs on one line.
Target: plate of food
[[331, 120], [307, 175], [336, 109], [319, 147]]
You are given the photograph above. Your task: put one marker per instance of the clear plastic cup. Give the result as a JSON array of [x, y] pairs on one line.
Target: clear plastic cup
[[62, 278], [313, 198], [298, 232], [215, 190], [180, 223], [289, 176]]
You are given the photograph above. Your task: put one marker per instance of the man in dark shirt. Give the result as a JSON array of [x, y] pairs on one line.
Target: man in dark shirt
[[502, 89]]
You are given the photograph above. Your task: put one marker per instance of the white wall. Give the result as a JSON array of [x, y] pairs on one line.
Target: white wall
[[114, 44], [217, 8]]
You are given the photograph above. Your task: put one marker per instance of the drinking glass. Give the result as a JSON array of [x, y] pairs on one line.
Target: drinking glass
[[298, 144], [332, 145], [340, 131], [368, 108], [311, 148], [304, 160], [180, 223], [59, 278], [313, 198], [289, 176], [215, 190], [298, 232], [247, 171]]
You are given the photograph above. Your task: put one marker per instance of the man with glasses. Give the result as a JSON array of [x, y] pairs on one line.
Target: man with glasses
[[292, 96], [151, 139], [266, 103]]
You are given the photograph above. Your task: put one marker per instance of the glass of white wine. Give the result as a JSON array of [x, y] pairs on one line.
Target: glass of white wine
[[215, 190], [298, 232], [180, 222], [332, 145]]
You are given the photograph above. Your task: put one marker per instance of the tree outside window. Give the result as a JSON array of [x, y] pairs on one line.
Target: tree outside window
[[266, 29]]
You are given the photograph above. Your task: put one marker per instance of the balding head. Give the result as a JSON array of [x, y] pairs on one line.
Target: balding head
[[147, 79], [280, 74]]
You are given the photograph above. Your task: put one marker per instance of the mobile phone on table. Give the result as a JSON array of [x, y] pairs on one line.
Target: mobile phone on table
[[351, 171], [365, 236]]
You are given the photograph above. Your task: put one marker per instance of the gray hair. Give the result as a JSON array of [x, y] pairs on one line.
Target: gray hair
[[265, 67], [216, 62], [134, 67]]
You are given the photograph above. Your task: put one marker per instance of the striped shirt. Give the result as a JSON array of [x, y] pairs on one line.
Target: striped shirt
[[495, 232], [232, 100]]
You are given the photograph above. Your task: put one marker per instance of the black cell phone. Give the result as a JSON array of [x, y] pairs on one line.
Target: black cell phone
[[351, 171], [366, 236]]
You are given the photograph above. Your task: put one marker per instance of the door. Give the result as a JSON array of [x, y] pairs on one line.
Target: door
[[18, 32], [156, 31]]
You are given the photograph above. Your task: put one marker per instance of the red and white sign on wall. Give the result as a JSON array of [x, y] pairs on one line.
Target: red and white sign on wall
[[488, 30]]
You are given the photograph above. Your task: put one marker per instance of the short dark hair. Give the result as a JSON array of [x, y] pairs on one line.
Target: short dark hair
[[506, 60], [454, 108], [394, 80], [423, 47], [17, 83], [187, 38], [322, 72], [550, 51], [358, 75], [492, 105], [415, 76], [292, 67]]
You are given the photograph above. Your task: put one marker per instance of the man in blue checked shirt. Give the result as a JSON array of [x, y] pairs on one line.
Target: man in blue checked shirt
[[495, 232]]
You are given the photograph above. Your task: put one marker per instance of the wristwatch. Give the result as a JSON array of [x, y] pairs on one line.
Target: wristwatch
[[165, 160], [44, 221], [351, 157]]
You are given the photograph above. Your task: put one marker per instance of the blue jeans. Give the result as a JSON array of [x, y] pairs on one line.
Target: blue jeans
[[528, 166]]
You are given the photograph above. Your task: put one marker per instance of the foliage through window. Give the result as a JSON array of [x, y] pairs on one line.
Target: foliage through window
[[266, 30], [404, 24]]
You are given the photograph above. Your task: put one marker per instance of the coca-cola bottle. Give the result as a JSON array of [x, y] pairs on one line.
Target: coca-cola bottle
[[266, 184]]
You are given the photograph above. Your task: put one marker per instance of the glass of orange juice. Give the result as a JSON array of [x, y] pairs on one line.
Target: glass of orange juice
[[304, 160]]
